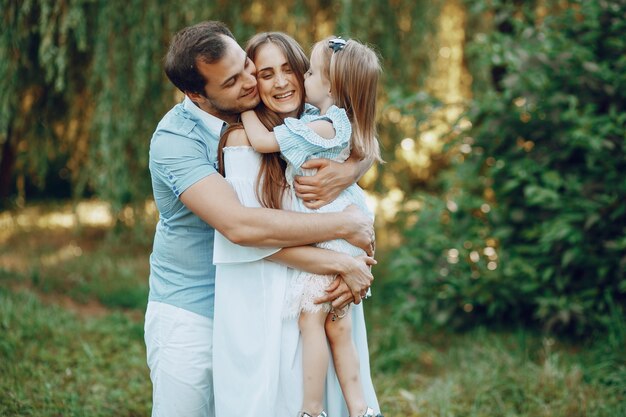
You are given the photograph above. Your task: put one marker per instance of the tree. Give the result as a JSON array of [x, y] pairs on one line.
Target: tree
[[82, 86], [531, 222]]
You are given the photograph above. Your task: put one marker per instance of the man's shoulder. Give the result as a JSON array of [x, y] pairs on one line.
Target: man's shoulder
[[175, 132], [177, 121], [178, 128]]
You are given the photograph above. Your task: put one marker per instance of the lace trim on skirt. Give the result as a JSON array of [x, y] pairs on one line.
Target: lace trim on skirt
[[303, 289]]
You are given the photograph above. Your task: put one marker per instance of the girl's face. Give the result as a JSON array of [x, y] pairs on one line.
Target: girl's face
[[277, 84], [316, 85]]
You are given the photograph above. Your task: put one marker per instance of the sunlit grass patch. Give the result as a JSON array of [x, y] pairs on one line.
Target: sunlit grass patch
[[86, 265]]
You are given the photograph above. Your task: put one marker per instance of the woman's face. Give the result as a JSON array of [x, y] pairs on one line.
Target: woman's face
[[277, 84]]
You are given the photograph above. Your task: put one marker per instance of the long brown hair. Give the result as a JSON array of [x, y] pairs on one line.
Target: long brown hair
[[270, 183], [353, 72]]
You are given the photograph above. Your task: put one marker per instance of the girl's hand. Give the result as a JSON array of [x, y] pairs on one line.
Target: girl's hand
[[330, 180]]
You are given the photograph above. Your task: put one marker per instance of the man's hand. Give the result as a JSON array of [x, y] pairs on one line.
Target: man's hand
[[330, 180], [360, 229]]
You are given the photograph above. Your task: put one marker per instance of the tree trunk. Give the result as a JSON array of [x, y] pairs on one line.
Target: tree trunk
[[7, 162]]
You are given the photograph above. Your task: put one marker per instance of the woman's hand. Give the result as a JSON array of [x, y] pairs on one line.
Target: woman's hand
[[338, 293], [358, 276], [330, 180], [352, 284]]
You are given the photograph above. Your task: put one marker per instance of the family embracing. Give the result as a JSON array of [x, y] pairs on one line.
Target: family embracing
[[264, 244]]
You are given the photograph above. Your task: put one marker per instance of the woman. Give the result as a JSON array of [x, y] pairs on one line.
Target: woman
[[257, 364]]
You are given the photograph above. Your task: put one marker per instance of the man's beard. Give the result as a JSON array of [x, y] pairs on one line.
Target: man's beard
[[234, 110]]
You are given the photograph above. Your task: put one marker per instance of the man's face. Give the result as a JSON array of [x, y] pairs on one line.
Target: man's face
[[231, 84]]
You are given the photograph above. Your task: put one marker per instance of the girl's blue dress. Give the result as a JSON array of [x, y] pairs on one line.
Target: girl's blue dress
[[298, 143]]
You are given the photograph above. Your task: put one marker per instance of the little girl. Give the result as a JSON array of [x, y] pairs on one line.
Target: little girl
[[341, 83]]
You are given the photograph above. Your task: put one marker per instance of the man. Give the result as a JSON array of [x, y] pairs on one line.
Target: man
[[206, 63]]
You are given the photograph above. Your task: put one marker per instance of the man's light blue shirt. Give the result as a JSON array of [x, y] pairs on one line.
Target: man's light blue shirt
[[183, 150]]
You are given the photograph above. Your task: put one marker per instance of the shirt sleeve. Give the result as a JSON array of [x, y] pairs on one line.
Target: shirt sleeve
[[179, 161], [298, 142]]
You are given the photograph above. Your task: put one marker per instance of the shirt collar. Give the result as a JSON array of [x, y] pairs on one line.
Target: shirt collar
[[214, 124]]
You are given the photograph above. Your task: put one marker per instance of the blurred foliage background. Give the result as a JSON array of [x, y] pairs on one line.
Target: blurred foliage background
[[502, 201], [502, 123], [528, 221]]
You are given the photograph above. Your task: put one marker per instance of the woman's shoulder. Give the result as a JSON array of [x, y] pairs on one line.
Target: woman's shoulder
[[236, 136]]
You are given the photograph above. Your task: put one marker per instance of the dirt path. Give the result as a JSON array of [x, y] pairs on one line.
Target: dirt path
[[90, 309]]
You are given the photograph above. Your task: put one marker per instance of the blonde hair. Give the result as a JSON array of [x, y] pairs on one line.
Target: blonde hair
[[353, 73]]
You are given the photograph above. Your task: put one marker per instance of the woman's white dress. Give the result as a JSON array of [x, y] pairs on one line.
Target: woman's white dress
[[257, 354]]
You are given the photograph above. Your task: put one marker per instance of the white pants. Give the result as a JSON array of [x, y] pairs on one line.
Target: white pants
[[179, 347]]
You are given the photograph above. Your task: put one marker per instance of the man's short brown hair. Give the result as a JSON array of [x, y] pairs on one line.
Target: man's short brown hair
[[202, 41]]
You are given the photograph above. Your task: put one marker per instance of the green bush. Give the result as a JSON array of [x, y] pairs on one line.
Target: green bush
[[530, 221]]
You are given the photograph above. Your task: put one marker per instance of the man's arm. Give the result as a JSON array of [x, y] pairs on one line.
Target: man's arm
[[215, 202], [330, 180], [355, 272]]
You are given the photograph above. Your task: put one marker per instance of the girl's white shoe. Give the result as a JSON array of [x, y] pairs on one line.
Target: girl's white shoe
[[370, 413], [305, 414]]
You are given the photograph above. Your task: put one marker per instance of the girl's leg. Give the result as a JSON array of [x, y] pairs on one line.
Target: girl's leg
[[315, 359], [346, 359]]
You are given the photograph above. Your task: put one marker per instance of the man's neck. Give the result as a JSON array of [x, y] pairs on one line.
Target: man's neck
[[227, 117]]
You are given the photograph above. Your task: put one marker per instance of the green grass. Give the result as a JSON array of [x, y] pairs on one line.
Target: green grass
[[84, 266], [486, 373], [81, 361], [54, 363]]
